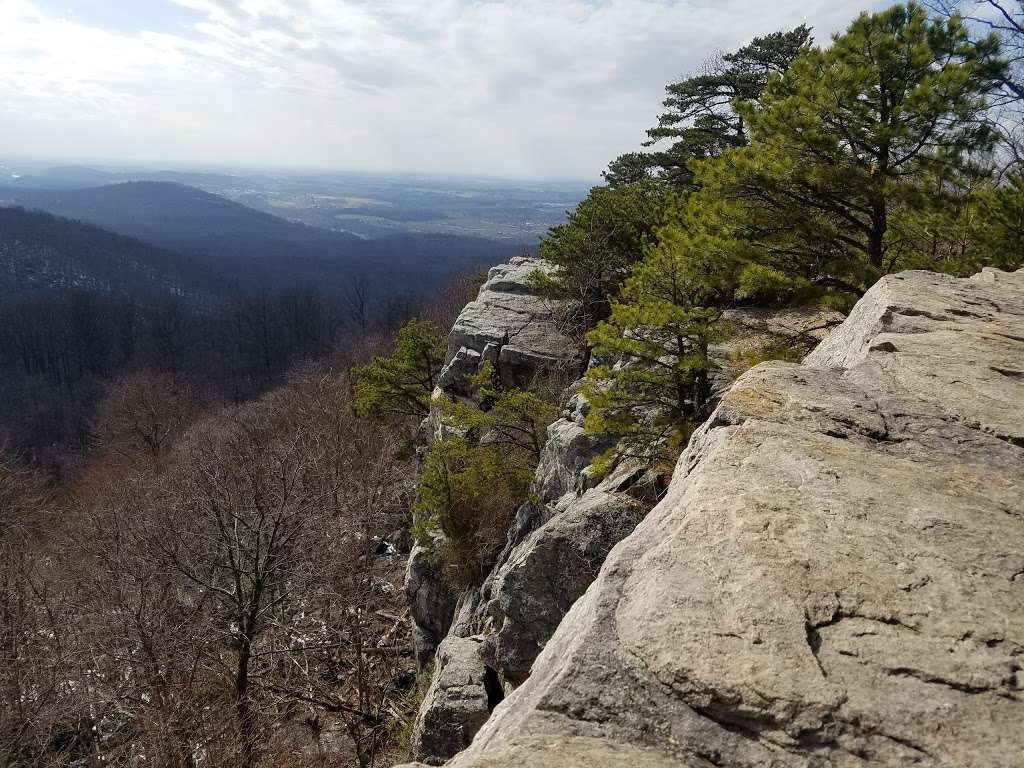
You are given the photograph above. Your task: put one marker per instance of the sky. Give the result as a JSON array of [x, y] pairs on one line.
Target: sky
[[528, 88]]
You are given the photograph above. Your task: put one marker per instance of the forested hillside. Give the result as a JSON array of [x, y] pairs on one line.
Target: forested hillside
[[221, 294], [208, 509], [259, 250], [39, 251]]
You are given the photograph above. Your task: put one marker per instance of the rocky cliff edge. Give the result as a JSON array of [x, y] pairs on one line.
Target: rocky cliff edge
[[836, 576]]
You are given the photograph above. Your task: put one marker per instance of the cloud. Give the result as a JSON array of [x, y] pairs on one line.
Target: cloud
[[521, 87]]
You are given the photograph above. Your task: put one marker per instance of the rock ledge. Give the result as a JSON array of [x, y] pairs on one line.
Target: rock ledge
[[836, 577]]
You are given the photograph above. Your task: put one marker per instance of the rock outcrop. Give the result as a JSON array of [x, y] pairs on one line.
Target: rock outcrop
[[431, 604], [515, 329], [836, 576], [557, 541], [461, 696], [509, 325]]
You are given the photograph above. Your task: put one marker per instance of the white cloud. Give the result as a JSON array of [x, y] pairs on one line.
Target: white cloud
[[523, 87]]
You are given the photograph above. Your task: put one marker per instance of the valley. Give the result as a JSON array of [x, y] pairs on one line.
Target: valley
[[364, 204]]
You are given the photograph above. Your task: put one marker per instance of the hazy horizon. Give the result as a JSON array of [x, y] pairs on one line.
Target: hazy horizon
[[510, 89], [144, 167]]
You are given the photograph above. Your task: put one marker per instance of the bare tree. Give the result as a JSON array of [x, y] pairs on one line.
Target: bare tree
[[143, 413], [271, 531], [143, 640], [362, 632], [217, 606], [35, 664], [1005, 18], [357, 302]]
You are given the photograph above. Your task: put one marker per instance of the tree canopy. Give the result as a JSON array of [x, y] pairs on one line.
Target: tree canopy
[[594, 250], [400, 384], [658, 338], [700, 118], [882, 124], [842, 164]]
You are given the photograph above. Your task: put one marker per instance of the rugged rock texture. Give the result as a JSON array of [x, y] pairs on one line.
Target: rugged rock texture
[[508, 325], [836, 577], [460, 698], [431, 604], [555, 546], [514, 329], [556, 543], [567, 452], [542, 577]]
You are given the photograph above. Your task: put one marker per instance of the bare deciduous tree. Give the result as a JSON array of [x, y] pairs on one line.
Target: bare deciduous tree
[[143, 413]]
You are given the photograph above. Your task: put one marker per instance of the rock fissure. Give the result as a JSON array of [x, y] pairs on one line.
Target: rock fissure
[[931, 679]]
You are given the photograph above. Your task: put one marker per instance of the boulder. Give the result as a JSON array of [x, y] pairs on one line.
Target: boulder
[[431, 604], [544, 575], [568, 451], [510, 325], [836, 576], [459, 700]]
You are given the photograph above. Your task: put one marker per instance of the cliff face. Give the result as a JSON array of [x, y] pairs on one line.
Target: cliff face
[[556, 543], [835, 578]]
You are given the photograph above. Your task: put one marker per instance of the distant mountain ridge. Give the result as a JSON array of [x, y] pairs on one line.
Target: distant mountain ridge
[[40, 251], [259, 249]]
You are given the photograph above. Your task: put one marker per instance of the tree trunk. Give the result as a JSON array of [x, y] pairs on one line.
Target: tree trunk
[[876, 238], [243, 706]]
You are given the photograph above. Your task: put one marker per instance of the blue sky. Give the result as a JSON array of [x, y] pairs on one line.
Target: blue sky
[[125, 16], [541, 88]]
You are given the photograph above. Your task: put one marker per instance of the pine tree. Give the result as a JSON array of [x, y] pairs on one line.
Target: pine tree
[[700, 117], [512, 419], [468, 492], [658, 338], [401, 384], [998, 226], [592, 253], [885, 121]]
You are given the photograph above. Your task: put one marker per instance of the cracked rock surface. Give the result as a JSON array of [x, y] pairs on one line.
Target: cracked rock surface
[[514, 329], [458, 702], [836, 576], [509, 325]]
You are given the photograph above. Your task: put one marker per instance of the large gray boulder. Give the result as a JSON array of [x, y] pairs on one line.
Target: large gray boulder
[[569, 450], [431, 603], [511, 326], [836, 577], [544, 575], [459, 700]]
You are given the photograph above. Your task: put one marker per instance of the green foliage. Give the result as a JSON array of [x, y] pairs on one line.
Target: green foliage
[[468, 491], [659, 334], [594, 250], [630, 168], [998, 226], [401, 384], [473, 480], [602, 465], [853, 140], [980, 225], [814, 172], [513, 419], [700, 117], [743, 359]]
